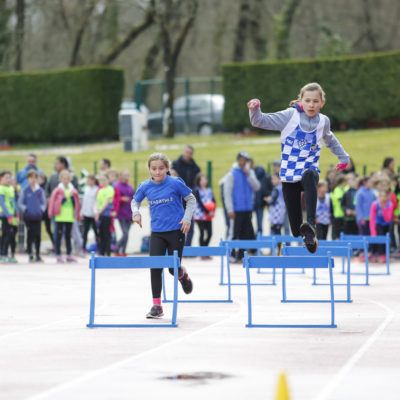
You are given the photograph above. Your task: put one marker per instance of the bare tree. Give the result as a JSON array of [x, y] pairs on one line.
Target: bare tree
[[166, 12], [19, 33], [241, 31], [5, 33], [283, 24], [133, 33], [87, 13], [149, 65]]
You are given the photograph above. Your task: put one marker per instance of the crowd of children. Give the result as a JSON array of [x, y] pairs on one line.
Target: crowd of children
[[346, 203], [67, 214]]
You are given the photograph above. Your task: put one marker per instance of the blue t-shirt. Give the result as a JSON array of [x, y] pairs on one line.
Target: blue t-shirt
[[165, 200]]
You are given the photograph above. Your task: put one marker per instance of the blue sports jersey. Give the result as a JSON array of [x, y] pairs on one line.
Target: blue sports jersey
[[300, 149], [165, 201]]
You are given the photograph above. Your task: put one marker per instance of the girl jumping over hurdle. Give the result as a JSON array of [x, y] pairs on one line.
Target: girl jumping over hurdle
[[302, 128], [169, 221]]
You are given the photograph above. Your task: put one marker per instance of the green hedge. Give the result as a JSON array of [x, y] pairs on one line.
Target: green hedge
[[76, 104], [359, 89]]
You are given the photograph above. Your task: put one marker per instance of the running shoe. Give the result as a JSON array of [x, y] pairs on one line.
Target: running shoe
[[309, 236], [155, 312], [186, 282], [71, 259]]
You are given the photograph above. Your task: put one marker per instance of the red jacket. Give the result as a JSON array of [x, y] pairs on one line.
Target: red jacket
[[56, 200]]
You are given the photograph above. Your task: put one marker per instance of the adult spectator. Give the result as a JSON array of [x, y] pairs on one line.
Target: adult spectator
[[239, 185], [105, 164], [61, 164], [388, 167], [187, 169], [264, 191], [22, 177]]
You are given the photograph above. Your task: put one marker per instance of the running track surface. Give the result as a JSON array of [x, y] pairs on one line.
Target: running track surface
[[46, 351]]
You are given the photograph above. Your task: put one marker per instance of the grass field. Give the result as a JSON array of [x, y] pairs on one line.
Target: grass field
[[366, 147]]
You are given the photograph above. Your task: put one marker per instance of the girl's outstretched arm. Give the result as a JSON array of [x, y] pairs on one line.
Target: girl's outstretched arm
[[271, 121]]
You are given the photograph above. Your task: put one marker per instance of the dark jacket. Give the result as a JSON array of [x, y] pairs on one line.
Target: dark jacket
[[53, 182], [186, 170], [266, 187]]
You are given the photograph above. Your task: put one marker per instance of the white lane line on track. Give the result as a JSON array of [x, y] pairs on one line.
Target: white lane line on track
[[351, 362], [118, 364]]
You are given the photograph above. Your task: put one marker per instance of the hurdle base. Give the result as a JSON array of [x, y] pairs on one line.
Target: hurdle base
[[132, 325], [199, 301], [290, 326], [316, 301], [245, 284]]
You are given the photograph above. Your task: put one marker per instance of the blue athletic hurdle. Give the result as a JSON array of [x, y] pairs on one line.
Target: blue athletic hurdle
[[133, 263], [282, 239], [322, 251], [383, 239], [245, 245], [290, 262], [360, 244], [191, 251]]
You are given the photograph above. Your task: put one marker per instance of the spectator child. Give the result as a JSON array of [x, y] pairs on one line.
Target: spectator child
[[7, 214], [169, 221], [364, 198], [64, 206], [323, 213], [103, 209], [277, 208], [32, 204], [42, 181], [87, 210], [302, 128], [205, 208], [124, 213], [337, 210], [379, 221], [349, 206]]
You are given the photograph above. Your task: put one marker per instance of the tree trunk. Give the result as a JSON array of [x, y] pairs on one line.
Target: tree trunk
[[5, 33], [19, 33], [241, 31], [283, 24], [80, 33], [170, 57]]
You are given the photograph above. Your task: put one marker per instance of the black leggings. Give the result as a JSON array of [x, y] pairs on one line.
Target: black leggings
[[33, 228], [292, 197], [5, 236], [160, 242], [205, 227], [63, 227], [105, 236], [87, 223]]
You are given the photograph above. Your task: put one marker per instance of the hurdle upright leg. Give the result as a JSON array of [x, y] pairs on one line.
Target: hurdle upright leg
[[333, 325], [249, 324], [92, 291], [175, 303]]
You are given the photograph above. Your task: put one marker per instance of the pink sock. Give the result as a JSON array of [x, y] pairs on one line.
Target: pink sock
[[157, 301]]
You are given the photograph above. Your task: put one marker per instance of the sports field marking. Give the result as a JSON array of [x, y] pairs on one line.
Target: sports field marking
[[350, 363], [118, 364]]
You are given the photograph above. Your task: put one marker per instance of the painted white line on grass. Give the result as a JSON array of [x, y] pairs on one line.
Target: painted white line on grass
[[351, 362], [64, 386]]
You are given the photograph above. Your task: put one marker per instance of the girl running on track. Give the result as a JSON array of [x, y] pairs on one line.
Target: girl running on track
[[169, 221]]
